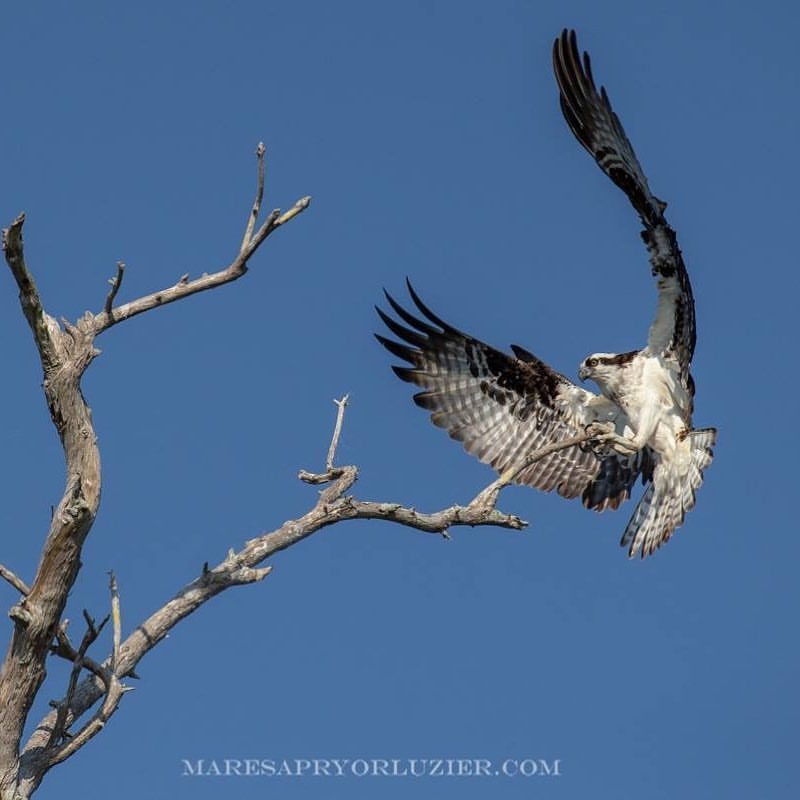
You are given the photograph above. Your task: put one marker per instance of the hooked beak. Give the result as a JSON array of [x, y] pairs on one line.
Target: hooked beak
[[583, 372]]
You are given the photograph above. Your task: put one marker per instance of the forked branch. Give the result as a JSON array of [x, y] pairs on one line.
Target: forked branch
[[251, 241], [58, 751], [92, 632]]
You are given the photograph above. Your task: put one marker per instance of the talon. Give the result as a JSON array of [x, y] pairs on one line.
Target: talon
[[606, 440], [598, 428]]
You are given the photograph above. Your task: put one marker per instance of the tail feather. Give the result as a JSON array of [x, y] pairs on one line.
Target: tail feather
[[670, 495]]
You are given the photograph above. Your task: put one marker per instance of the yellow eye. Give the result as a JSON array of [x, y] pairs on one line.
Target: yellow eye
[[592, 362]]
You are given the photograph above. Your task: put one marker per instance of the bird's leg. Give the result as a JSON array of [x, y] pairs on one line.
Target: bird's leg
[[605, 438], [608, 439], [646, 425], [622, 444]]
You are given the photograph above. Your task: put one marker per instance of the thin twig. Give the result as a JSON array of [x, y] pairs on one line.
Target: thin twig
[[301, 205], [115, 282], [337, 432], [63, 648], [92, 632], [117, 621], [275, 220], [114, 690], [331, 471], [17, 582], [251, 222], [110, 704], [28, 293]]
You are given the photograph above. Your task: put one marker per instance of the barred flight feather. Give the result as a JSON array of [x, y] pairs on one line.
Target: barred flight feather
[[503, 408]]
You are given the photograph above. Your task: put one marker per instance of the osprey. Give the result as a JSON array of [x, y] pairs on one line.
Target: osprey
[[505, 407]]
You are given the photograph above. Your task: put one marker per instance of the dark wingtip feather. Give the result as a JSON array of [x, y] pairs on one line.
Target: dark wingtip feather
[[429, 400], [426, 311], [405, 374], [587, 70], [397, 349], [408, 335], [417, 323]]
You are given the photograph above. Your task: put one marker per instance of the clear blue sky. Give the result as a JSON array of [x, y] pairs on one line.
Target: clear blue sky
[[430, 138]]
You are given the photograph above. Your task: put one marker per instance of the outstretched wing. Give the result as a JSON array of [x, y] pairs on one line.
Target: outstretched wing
[[596, 126], [503, 408]]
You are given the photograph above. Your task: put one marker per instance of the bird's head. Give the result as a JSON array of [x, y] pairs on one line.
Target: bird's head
[[604, 368]]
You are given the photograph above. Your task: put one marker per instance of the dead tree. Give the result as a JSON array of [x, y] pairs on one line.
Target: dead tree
[[96, 687]]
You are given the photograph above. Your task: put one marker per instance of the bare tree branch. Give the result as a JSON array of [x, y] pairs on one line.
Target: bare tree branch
[[438, 521], [256, 210], [110, 704], [115, 282], [39, 322], [117, 617], [7, 575], [92, 632], [57, 752], [243, 567], [63, 648], [337, 431], [238, 267], [331, 471]]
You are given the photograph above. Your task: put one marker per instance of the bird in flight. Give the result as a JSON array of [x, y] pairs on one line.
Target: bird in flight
[[505, 407]]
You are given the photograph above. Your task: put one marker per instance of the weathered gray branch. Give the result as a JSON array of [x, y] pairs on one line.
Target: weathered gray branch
[[63, 648], [337, 432], [256, 210], [7, 575], [238, 267], [65, 352], [40, 324], [59, 751], [115, 282], [92, 632], [334, 505]]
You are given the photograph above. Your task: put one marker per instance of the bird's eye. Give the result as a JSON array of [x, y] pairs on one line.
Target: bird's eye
[[592, 362]]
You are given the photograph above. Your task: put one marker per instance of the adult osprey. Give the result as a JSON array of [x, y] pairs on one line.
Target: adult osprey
[[505, 407]]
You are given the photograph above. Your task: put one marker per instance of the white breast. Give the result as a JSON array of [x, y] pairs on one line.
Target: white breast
[[655, 401]]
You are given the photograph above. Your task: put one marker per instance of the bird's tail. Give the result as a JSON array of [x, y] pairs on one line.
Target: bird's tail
[[671, 493]]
